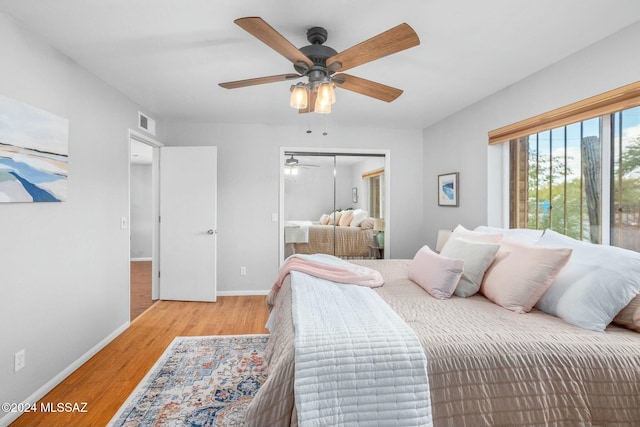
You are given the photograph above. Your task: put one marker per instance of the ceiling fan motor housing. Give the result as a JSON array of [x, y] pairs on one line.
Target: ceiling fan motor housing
[[317, 35], [318, 53]]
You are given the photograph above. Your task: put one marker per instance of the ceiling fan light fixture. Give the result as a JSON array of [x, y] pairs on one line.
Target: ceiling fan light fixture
[[326, 92], [299, 96], [319, 63], [291, 169], [326, 97], [322, 107]]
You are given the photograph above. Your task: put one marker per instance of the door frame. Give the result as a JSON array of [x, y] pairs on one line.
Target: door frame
[[359, 151], [155, 189]]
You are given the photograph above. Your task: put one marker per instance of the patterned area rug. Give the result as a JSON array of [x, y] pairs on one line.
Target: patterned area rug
[[198, 381]]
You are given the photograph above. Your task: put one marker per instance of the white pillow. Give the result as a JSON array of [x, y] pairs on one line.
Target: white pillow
[[438, 275], [477, 257], [358, 216], [597, 283], [525, 235], [475, 236]]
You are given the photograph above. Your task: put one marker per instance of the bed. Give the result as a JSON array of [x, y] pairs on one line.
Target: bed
[[487, 365], [350, 242]]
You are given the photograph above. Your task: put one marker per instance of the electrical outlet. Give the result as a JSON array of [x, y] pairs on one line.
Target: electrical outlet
[[19, 360], [243, 271], [123, 223]]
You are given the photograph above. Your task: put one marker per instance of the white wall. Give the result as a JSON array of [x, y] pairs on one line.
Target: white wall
[[248, 184], [459, 143], [64, 266], [142, 222], [309, 194]]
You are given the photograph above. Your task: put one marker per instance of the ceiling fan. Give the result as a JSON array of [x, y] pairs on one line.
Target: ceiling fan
[[321, 64], [293, 162]]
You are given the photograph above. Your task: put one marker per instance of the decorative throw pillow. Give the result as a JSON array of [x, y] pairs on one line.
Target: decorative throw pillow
[[334, 218], [477, 257], [345, 219], [525, 235], [358, 216], [437, 274], [367, 224], [475, 236], [324, 219], [521, 273], [629, 317], [596, 284]]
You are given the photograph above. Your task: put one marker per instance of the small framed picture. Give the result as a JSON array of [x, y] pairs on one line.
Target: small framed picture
[[354, 194], [448, 189]]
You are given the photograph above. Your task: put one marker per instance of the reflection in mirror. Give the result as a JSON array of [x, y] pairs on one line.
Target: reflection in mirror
[[334, 204]]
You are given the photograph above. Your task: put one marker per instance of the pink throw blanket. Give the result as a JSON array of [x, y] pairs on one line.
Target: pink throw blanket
[[349, 274]]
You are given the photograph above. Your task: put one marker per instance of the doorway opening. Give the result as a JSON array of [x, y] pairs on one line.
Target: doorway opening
[[143, 230]]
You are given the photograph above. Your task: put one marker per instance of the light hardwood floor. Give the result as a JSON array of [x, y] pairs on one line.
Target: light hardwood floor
[[140, 288], [105, 381]]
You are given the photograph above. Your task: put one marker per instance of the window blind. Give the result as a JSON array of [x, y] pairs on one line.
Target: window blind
[[606, 103]]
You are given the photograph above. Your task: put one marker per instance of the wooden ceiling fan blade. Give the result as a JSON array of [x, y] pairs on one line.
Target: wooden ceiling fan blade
[[264, 32], [391, 41], [259, 81], [367, 87]]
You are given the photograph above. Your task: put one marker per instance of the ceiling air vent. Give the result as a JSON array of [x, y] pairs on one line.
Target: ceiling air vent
[[146, 123]]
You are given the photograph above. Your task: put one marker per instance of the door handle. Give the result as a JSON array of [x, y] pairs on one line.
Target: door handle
[[210, 231]]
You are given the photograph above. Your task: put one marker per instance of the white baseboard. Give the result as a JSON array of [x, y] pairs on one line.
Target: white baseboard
[[42, 391], [141, 259], [240, 293]]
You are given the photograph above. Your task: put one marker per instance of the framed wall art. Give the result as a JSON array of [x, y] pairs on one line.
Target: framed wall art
[[448, 189], [33, 154]]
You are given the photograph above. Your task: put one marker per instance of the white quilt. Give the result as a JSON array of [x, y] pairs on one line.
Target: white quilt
[[296, 231], [356, 361]]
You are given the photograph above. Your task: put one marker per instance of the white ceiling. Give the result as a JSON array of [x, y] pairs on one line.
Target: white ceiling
[[170, 55]]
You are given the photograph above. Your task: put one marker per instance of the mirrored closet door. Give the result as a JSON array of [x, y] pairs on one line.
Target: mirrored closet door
[[334, 203]]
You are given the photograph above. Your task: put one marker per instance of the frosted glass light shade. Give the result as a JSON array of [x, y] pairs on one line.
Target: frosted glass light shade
[[327, 92], [299, 97]]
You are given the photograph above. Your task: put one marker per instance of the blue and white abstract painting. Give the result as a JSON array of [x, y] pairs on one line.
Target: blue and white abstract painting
[[448, 189], [34, 152]]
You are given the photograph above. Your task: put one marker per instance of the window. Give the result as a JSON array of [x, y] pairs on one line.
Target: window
[[625, 179], [557, 179], [375, 184], [576, 169]]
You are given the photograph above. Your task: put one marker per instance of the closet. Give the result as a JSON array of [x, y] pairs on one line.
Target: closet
[[334, 203]]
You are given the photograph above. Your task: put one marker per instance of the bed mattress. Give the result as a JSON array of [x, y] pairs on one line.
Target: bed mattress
[[346, 241]]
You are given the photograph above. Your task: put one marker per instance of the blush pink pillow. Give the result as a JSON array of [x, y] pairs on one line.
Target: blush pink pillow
[[345, 219], [438, 275], [334, 218], [521, 273]]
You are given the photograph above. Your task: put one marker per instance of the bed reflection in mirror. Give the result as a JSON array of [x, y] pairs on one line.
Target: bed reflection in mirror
[[334, 204]]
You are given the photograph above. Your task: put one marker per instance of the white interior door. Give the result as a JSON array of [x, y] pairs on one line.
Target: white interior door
[[188, 193]]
